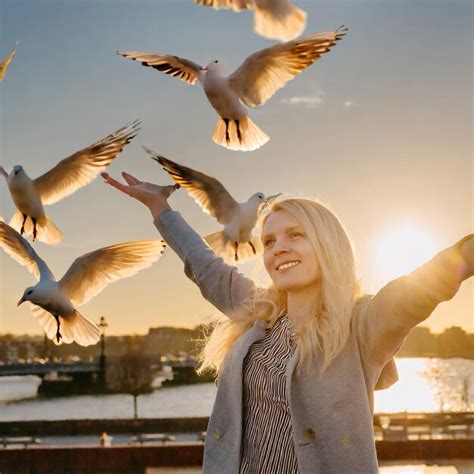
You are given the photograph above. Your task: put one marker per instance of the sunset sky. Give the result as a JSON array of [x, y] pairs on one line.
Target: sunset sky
[[379, 129]]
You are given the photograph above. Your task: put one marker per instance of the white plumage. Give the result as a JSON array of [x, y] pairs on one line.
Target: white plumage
[[273, 19], [53, 301], [70, 174], [251, 85], [235, 243]]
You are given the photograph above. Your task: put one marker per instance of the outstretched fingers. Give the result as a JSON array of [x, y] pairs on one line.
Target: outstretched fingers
[[116, 184], [131, 180]]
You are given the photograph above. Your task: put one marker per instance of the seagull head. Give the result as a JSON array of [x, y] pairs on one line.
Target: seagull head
[[268, 201], [28, 295], [257, 200], [17, 169], [216, 66]]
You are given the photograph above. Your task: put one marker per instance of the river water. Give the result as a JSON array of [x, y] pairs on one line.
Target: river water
[[425, 385]]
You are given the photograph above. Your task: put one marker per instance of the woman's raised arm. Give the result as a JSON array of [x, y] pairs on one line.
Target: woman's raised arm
[[221, 284], [384, 320]]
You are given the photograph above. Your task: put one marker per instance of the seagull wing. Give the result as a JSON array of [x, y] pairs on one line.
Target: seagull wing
[[92, 272], [20, 250], [236, 5], [181, 68], [83, 166], [269, 69], [6, 62], [207, 191]]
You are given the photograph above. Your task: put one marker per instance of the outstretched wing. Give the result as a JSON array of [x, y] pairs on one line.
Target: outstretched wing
[[181, 68], [6, 62], [92, 272], [207, 191], [21, 251], [268, 70], [83, 166], [236, 5]]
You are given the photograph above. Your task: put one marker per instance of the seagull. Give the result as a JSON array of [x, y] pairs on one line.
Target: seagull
[[53, 301], [236, 241], [6, 62], [251, 85], [70, 174], [273, 19]]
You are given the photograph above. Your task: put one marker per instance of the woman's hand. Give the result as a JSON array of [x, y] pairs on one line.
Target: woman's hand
[[466, 247], [153, 196]]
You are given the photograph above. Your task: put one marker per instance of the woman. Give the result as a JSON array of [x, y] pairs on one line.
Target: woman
[[298, 362]]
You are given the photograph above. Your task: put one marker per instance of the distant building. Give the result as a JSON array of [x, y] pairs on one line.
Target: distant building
[[455, 342], [420, 342], [170, 340]]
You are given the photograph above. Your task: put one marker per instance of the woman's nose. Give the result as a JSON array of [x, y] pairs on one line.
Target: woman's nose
[[280, 248]]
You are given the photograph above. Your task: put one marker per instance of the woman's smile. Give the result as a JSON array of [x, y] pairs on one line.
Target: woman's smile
[[289, 256], [287, 265]]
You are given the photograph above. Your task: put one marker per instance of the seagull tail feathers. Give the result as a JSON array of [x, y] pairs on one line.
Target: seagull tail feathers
[[75, 328], [284, 25], [225, 248], [242, 135], [47, 232], [16, 222], [81, 329]]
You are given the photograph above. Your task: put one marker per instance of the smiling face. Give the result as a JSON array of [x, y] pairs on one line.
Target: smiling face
[[289, 257]]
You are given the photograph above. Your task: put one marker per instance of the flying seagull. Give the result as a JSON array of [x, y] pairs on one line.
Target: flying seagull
[[70, 174], [53, 301], [6, 62], [236, 241], [251, 85], [273, 19]]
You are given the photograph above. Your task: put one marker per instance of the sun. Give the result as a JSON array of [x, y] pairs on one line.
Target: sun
[[401, 248]]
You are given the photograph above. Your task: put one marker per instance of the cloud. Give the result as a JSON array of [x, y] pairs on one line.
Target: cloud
[[310, 102], [348, 104]]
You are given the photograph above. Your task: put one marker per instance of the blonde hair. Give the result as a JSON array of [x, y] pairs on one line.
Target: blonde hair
[[326, 330]]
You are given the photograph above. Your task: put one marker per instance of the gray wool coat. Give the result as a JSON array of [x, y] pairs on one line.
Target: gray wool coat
[[331, 415]]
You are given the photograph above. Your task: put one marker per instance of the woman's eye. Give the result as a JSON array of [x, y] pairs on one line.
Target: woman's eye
[[296, 234], [268, 242]]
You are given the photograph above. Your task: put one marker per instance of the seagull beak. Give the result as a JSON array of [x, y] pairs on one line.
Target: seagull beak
[[20, 301], [204, 69], [267, 202], [272, 197]]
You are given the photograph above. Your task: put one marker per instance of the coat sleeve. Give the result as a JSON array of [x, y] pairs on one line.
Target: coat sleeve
[[383, 321], [221, 284]]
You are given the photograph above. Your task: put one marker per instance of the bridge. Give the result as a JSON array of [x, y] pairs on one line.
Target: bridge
[[36, 368], [71, 368]]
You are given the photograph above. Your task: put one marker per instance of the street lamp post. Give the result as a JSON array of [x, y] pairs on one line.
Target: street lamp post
[[103, 324]]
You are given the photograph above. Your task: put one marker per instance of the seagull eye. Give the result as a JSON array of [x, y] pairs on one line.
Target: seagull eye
[[216, 62], [29, 292]]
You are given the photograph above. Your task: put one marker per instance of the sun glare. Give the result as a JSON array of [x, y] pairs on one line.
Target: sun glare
[[400, 249]]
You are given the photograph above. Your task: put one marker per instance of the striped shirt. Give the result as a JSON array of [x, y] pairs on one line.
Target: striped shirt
[[267, 445]]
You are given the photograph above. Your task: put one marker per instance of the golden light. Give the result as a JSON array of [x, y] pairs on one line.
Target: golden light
[[412, 392], [400, 249], [418, 469]]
